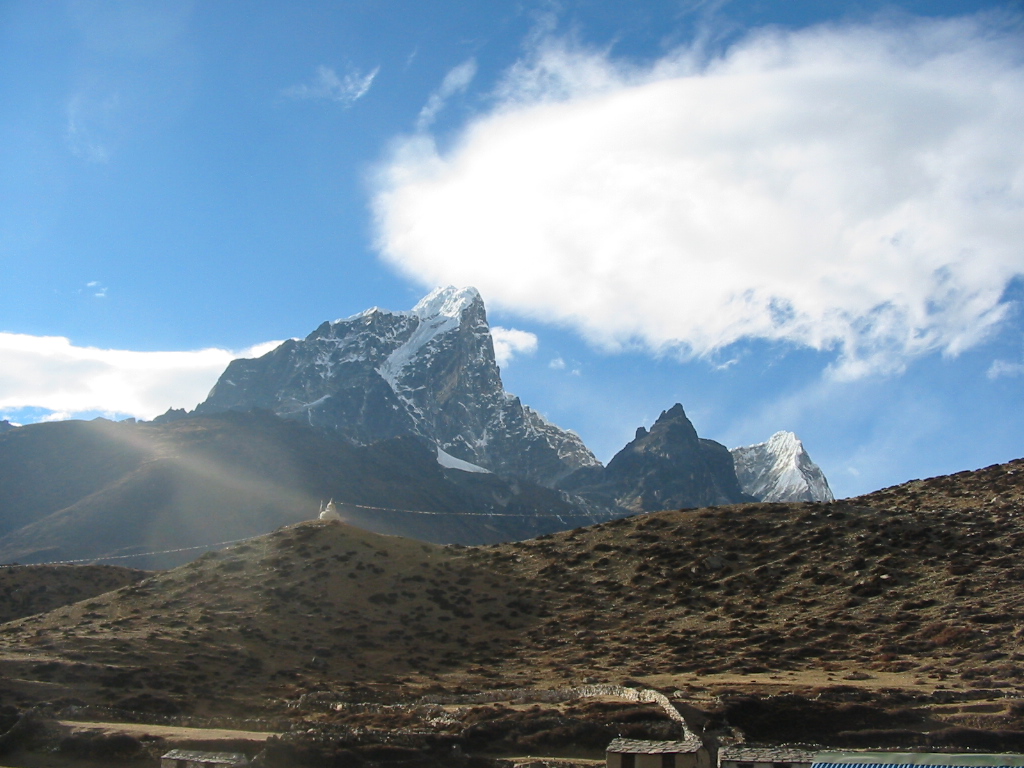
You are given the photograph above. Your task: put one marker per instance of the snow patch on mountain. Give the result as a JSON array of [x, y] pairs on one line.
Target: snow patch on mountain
[[448, 461], [780, 470], [438, 312]]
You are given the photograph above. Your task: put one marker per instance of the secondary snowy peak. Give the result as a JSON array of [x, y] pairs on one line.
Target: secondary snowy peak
[[780, 470], [429, 371]]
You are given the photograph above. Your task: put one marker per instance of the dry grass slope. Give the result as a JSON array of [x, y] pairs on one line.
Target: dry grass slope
[[30, 589], [914, 590]]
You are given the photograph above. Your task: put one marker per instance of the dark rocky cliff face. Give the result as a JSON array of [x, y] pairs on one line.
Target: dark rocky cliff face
[[669, 467], [429, 372]]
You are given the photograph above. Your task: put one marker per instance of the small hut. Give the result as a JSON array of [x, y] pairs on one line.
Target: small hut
[[636, 753]]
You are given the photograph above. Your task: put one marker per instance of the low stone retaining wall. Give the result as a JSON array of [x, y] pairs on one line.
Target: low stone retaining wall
[[529, 696]]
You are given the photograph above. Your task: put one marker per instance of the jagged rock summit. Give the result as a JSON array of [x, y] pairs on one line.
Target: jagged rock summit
[[780, 470], [429, 372], [668, 467]]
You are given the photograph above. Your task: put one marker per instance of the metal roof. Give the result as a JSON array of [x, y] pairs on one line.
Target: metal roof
[[214, 758], [641, 747], [914, 760]]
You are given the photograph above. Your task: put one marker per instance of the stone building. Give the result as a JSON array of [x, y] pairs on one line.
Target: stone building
[[635, 753], [745, 756]]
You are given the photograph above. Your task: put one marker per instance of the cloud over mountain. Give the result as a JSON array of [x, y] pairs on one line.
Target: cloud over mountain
[[509, 342], [849, 187], [50, 372]]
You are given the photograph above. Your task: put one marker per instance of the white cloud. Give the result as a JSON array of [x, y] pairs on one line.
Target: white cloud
[[509, 342], [557, 364], [50, 372], [456, 81], [857, 188], [259, 350], [1001, 368], [328, 85]]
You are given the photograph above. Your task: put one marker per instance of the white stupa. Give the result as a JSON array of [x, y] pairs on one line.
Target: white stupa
[[330, 511]]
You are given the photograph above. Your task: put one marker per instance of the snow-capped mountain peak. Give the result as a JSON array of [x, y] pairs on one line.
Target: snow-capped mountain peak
[[780, 469], [448, 301], [429, 371]]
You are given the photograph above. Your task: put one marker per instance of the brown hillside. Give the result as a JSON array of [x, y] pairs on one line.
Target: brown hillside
[[29, 589], [915, 591]]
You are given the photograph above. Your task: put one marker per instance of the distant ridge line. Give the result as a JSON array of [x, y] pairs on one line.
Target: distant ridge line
[[250, 538], [137, 554], [434, 512]]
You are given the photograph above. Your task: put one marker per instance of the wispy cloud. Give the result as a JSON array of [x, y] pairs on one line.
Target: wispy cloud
[[559, 364], [456, 81], [51, 373], [1004, 368], [98, 291], [509, 342], [89, 126], [329, 86], [854, 188]]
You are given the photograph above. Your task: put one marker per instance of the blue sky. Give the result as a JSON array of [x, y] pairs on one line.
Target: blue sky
[[784, 215]]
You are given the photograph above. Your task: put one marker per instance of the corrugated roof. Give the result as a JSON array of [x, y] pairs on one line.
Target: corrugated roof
[[749, 754], [214, 758], [914, 760], [641, 747]]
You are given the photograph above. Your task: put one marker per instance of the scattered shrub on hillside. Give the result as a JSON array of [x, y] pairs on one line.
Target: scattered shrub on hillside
[[114, 746], [148, 702], [973, 738]]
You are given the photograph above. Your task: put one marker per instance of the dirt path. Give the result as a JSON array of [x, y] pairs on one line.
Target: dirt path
[[169, 731]]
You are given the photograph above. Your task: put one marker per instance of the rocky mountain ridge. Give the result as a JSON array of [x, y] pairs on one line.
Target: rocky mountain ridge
[[429, 372], [400, 417], [156, 494], [668, 467]]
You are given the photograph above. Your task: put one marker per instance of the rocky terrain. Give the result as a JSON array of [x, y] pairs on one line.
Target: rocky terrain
[[892, 619]]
